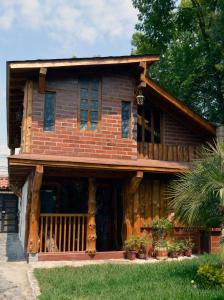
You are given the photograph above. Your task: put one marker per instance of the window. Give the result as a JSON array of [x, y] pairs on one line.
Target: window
[[89, 103], [49, 111], [125, 118], [148, 129]]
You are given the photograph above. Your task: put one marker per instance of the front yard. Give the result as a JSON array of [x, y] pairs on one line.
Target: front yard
[[165, 280]]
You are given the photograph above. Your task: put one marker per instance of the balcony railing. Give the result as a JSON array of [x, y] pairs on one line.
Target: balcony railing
[[181, 153], [63, 232]]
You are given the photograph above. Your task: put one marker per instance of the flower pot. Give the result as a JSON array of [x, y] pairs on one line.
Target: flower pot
[[188, 252], [174, 254], [131, 255], [141, 255], [161, 253]]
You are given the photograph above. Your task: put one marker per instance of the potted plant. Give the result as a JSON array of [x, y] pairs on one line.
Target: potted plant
[[188, 247], [173, 250], [160, 228], [181, 247], [131, 246], [145, 244], [161, 249]]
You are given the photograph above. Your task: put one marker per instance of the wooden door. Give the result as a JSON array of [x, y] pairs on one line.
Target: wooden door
[[8, 213]]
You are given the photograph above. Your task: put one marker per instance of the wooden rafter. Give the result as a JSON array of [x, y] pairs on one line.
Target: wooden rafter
[[134, 182], [42, 77]]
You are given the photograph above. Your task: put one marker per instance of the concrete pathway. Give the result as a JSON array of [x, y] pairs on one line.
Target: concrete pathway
[[14, 283]]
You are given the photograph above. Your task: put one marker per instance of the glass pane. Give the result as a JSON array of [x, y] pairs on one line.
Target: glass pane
[[84, 104], [83, 125], [95, 95], [94, 116], [49, 111], [95, 84], [93, 126], [94, 105], [84, 83], [125, 118], [84, 115], [84, 94]]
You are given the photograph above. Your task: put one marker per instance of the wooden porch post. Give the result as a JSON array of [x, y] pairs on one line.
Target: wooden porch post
[[91, 226], [33, 244]]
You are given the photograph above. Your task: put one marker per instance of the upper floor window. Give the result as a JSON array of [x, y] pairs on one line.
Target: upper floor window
[[90, 102], [49, 111], [125, 118], [149, 125]]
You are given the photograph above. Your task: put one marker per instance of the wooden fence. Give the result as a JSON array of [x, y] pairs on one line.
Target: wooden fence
[[183, 153], [63, 232]]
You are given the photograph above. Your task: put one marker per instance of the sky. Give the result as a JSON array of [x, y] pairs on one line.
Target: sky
[[32, 29]]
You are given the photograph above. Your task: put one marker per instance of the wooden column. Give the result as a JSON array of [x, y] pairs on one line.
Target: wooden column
[[33, 244], [27, 117], [91, 226], [132, 218]]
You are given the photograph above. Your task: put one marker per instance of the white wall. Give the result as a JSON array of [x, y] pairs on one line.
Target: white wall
[[22, 212]]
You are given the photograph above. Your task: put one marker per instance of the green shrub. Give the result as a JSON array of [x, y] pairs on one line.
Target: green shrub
[[210, 276]]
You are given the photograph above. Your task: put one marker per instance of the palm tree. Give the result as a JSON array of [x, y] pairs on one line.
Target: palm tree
[[198, 194]]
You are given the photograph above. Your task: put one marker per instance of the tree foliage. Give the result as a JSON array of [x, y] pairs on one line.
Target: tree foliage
[[198, 195], [190, 40]]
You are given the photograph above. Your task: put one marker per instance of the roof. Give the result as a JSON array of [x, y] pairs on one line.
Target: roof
[[4, 183], [19, 71], [178, 106]]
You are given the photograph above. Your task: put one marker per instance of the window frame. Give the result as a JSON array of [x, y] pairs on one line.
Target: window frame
[[129, 123], [99, 110], [48, 91]]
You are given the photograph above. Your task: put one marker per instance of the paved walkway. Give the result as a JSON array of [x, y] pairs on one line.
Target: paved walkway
[[14, 283]]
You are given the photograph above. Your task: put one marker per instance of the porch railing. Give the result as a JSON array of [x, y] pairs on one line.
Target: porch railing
[[183, 153], [62, 232]]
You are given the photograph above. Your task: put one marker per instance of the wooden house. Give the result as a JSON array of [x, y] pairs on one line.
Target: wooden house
[[99, 143]]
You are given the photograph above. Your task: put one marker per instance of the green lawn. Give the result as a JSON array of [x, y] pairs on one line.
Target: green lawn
[[165, 280]]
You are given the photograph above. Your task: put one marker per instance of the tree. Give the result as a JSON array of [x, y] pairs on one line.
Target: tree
[[198, 194], [189, 38]]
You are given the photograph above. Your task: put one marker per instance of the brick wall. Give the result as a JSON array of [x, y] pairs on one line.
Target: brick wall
[[67, 139], [176, 133]]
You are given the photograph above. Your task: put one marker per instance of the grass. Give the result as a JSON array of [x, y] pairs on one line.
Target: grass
[[165, 280]]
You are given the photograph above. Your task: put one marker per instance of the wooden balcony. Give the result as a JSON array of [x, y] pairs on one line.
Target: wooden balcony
[[180, 153], [63, 233]]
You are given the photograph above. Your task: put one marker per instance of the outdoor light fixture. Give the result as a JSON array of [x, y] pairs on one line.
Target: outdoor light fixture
[[140, 98]]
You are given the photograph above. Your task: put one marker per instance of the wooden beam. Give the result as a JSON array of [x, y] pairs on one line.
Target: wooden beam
[[33, 244], [27, 117], [82, 62], [91, 223], [174, 102], [134, 183], [42, 77]]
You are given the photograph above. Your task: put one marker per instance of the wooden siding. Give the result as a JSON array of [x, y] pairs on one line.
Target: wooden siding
[[183, 153]]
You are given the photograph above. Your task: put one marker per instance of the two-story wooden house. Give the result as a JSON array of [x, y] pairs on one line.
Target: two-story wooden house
[[99, 142]]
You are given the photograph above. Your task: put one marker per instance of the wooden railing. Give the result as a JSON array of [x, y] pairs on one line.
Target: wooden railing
[[183, 153], [62, 232]]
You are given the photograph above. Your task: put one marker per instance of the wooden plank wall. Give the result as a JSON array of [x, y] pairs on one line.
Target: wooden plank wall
[[149, 203]]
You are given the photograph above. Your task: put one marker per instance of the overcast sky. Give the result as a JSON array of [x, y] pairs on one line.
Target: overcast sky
[[32, 29]]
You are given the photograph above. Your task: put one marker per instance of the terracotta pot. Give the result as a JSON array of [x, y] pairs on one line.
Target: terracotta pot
[[161, 253], [174, 254], [188, 253], [131, 255], [141, 255]]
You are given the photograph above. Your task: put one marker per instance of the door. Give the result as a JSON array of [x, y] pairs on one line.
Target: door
[[108, 217], [8, 213]]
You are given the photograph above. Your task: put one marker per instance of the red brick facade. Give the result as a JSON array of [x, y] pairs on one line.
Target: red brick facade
[[67, 139], [175, 133]]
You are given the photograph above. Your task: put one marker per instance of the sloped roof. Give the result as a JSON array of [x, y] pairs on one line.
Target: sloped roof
[[4, 183], [175, 105]]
